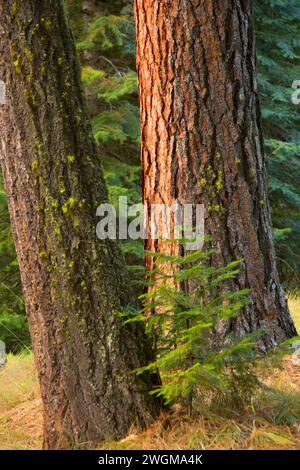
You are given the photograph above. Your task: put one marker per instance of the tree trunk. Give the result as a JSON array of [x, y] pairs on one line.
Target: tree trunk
[[73, 283], [202, 140]]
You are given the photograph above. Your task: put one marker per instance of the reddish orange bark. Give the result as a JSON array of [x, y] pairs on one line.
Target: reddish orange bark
[[202, 139]]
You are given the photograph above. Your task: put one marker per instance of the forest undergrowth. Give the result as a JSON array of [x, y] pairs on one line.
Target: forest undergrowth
[[272, 421]]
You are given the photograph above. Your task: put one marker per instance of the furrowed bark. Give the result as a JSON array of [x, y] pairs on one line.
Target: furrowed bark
[[202, 141], [73, 283]]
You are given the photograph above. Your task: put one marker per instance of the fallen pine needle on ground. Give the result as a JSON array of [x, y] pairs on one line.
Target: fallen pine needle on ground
[[273, 422]]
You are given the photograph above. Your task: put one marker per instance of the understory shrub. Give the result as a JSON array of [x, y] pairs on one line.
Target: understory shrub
[[186, 303]]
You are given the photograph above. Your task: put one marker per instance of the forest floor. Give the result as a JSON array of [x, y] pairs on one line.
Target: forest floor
[[270, 424]]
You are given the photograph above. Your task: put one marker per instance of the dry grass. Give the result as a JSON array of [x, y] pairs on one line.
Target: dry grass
[[272, 423], [210, 432], [295, 310], [20, 405]]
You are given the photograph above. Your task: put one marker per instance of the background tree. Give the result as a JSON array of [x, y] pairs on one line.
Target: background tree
[[202, 141], [277, 39], [73, 284]]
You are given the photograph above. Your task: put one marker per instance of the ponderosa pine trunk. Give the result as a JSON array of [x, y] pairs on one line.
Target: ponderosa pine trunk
[[202, 140], [73, 283]]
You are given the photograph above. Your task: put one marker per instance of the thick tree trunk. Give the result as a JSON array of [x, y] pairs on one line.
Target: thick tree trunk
[[73, 283], [202, 140]]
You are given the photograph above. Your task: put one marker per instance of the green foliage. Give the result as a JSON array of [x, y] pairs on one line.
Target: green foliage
[[278, 51], [109, 32], [106, 44], [119, 126], [286, 408], [90, 75], [118, 87], [194, 359], [13, 324]]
